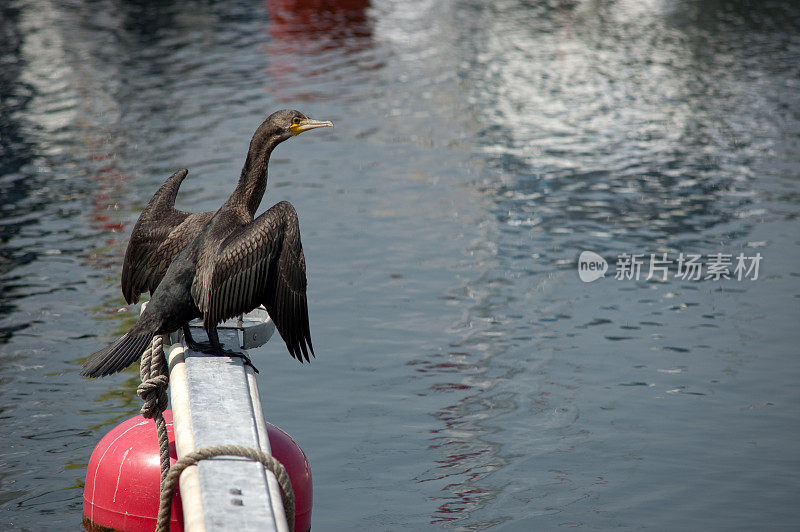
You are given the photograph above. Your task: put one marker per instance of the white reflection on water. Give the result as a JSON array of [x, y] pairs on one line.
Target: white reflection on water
[[618, 126]]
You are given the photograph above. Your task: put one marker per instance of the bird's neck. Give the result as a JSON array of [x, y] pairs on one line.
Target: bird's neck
[[253, 181]]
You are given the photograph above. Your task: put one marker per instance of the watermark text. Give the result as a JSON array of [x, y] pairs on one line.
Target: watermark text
[[679, 266]]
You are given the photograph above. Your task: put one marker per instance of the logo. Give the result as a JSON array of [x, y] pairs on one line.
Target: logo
[[591, 266], [683, 267]]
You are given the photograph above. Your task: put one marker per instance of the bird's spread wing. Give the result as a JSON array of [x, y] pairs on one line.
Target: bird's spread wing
[[261, 263], [160, 233], [149, 256]]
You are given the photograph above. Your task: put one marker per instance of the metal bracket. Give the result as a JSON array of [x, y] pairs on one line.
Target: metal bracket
[[254, 329]]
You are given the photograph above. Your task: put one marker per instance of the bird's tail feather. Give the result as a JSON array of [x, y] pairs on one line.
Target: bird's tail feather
[[117, 356]]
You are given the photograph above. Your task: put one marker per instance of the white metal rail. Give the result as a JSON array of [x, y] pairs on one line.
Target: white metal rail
[[215, 401]]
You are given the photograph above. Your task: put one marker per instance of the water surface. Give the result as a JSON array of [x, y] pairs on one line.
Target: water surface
[[465, 377]]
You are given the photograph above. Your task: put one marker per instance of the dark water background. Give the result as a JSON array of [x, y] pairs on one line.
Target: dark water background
[[465, 378]]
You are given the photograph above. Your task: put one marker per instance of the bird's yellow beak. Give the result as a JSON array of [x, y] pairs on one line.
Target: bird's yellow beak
[[307, 124]]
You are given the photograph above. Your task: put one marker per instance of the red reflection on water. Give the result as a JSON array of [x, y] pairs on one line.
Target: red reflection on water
[[302, 32], [466, 459], [440, 367], [108, 205], [108, 195], [449, 387], [325, 23]]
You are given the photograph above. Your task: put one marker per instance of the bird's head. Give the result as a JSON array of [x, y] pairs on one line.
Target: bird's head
[[287, 123]]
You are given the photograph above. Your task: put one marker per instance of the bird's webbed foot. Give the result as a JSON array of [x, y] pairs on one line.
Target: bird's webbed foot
[[208, 349], [218, 350], [202, 347], [214, 347], [228, 353]]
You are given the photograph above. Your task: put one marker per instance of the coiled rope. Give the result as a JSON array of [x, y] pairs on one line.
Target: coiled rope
[[153, 391], [168, 487]]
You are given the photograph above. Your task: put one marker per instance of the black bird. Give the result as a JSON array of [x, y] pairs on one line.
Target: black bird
[[217, 265]]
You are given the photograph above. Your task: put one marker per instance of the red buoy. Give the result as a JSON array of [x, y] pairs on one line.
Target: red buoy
[[289, 453], [122, 485], [123, 479]]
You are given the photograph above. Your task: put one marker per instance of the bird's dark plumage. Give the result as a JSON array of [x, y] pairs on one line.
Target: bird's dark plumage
[[259, 263], [160, 233], [217, 265]]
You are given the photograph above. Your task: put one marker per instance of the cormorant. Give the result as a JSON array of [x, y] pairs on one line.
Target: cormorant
[[216, 265]]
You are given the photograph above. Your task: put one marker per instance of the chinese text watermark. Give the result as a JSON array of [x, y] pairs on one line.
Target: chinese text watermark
[[680, 266]]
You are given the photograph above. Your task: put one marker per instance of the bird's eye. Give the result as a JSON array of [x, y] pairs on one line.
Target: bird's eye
[[296, 120]]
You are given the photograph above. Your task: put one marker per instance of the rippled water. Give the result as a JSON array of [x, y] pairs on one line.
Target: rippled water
[[465, 378]]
